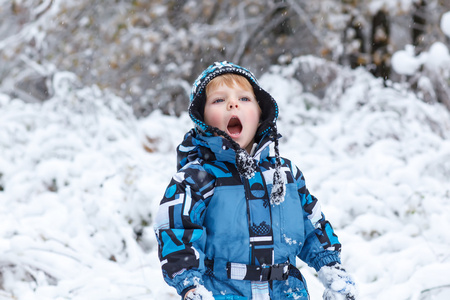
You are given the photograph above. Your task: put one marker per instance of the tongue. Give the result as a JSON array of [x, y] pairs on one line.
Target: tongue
[[234, 127]]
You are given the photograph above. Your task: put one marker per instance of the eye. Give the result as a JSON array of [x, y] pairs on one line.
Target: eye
[[245, 99], [218, 100]]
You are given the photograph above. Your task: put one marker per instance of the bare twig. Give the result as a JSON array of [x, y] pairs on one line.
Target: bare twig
[[261, 29], [435, 288], [244, 34], [303, 15]]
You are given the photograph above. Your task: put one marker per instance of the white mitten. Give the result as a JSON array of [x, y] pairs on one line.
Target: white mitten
[[339, 285], [199, 293]]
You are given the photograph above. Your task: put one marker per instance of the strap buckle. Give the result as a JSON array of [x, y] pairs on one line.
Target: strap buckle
[[275, 272]]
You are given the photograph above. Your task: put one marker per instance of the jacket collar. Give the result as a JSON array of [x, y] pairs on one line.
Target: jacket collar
[[214, 148]]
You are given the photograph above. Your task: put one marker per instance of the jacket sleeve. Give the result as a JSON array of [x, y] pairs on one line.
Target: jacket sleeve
[[178, 227], [321, 245]]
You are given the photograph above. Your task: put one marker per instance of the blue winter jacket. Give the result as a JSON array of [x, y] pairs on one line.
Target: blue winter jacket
[[203, 222]]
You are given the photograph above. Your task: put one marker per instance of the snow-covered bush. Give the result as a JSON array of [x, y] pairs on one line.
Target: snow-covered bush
[[148, 52], [76, 197], [429, 72], [379, 161], [80, 178]]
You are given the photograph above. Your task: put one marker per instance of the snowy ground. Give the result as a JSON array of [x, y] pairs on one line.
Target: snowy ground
[[78, 190]]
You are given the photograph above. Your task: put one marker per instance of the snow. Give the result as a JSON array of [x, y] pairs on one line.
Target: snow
[[81, 179], [445, 23], [337, 282], [200, 293], [404, 61], [437, 58], [392, 6]]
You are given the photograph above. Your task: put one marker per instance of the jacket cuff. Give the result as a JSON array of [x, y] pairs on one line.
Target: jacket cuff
[[326, 258], [190, 280], [183, 293]]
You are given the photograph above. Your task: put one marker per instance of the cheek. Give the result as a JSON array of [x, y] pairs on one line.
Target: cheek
[[212, 117], [253, 120]]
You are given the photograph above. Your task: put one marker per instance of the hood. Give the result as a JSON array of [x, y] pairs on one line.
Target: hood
[[267, 104], [191, 148]]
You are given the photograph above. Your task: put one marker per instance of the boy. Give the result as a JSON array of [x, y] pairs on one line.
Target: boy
[[234, 219]]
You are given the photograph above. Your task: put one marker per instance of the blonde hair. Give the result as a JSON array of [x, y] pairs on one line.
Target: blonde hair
[[229, 80]]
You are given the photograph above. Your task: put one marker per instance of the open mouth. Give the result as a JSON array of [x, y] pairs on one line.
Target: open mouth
[[234, 127]]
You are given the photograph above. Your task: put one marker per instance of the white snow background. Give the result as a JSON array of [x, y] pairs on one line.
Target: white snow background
[[81, 178]]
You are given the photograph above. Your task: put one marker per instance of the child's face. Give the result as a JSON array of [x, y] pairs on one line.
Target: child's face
[[235, 111]]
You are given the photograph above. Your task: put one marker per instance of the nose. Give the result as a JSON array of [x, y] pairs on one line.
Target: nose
[[233, 104]]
